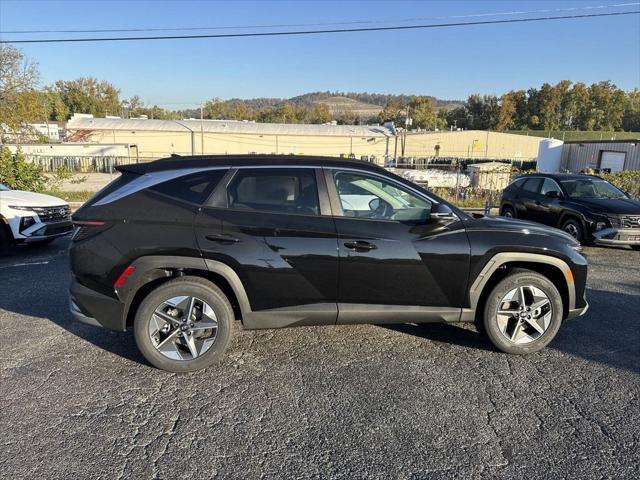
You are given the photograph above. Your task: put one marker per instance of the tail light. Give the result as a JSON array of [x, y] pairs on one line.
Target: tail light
[[88, 228], [126, 273]]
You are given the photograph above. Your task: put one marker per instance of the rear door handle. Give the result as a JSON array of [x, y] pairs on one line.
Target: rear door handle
[[360, 245], [222, 238]]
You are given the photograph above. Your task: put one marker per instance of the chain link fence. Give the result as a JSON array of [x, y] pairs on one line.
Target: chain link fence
[[472, 183], [79, 164]]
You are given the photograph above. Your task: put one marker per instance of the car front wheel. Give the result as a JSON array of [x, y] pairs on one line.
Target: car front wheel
[[508, 212], [184, 325], [523, 313], [574, 228]]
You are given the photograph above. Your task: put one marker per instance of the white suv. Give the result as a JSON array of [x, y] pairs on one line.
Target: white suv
[[27, 217]]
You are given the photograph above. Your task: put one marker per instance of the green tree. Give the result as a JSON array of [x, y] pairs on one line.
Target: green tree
[[507, 115], [18, 80], [19, 174], [319, 113], [422, 113], [631, 116], [89, 95]]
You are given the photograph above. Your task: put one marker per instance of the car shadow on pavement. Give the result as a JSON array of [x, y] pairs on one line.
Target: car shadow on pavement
[[609, 333], [449, 333]]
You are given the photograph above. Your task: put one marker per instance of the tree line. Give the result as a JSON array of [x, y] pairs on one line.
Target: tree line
[[563, 106]]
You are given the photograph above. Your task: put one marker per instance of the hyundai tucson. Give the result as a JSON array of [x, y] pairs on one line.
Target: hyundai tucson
[[178, 249]]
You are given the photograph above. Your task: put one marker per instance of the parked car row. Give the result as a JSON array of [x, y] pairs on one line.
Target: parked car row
[[587, 207]]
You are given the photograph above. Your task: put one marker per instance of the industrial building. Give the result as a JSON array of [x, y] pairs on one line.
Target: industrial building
[[150, 139], [606, 155]]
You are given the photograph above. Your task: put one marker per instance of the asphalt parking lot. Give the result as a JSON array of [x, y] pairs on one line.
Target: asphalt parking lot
[[320, 402]]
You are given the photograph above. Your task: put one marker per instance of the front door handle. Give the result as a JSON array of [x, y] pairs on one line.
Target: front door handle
[[360, 246], [222, 238]]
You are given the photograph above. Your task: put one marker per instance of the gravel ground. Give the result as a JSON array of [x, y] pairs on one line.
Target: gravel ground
[[321, 402]]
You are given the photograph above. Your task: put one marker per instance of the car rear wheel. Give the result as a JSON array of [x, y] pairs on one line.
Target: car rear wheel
[[508, 212], [184, 325], [574, 228], [523, 313]]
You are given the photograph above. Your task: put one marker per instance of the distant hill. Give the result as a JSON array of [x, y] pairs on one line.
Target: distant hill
[[364, 105]]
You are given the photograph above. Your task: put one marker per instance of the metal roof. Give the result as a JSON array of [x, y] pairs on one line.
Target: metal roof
[[227, 126]]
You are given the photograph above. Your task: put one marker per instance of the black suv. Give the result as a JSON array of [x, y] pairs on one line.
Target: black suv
[[587, 207], [179, 248]]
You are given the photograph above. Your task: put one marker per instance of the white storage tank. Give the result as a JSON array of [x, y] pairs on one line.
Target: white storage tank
[[549, 155]]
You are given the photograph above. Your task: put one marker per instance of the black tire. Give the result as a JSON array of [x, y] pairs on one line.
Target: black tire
[[188, 286], [635, 247], [574, 228], [6, 240], [508, 211], [513, 280]]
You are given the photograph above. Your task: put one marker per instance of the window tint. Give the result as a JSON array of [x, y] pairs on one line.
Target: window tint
[[275, 190], [549, 186], [194, 188], [368, 196], [517, 183], [532, 185]]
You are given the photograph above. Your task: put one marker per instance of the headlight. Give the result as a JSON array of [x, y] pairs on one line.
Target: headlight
[[18, 207], [601, 225]]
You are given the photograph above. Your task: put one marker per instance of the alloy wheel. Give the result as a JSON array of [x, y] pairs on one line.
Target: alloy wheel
[[571, 229], [183, 328], [524, 314]]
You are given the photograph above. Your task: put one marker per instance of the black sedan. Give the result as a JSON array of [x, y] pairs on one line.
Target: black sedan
[[586, 206]]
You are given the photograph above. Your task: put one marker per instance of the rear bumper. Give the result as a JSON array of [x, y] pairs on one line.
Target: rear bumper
[[617, 236], [93, 308]]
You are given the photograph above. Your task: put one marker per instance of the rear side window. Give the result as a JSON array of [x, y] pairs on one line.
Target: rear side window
[[123, 179], [532, 185], [517, 183], [275, 190], [193, 188]]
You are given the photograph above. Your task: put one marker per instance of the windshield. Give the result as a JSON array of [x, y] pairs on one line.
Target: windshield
[[4, 188], [591, 188]]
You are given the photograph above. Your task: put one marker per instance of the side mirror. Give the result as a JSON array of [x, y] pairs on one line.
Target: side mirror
[[442, 214], [552, 194], [374, 204]]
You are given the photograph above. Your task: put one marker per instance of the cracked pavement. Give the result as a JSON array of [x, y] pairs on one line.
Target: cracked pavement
[[321, 402]]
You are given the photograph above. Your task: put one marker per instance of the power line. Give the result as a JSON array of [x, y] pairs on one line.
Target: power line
[[324, 24], [315, 32]]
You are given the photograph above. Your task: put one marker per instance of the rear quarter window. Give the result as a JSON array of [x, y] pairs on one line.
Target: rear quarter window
[[193, 188]]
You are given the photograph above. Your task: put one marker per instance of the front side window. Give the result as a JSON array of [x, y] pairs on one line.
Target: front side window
[[550, 186], [591, 188], [275, 190], [532, 185], [370, 196], [193, 188]]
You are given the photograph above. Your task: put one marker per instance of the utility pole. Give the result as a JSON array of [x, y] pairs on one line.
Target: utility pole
[[201, 129]]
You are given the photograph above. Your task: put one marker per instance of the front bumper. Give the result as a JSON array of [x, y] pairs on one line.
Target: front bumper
[[617, 236], [43, 231], [91, 307]]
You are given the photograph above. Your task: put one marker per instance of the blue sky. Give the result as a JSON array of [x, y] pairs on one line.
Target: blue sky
[[448, 63]]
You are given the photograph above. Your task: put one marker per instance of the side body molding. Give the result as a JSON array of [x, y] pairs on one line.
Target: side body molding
[[502, 258]]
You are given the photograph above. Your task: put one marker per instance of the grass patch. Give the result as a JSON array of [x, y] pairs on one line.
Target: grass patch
[[574, 135], [81, 196]]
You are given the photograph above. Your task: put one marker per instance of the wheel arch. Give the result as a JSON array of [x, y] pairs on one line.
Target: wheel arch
[[153, 271], [502, 264]]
